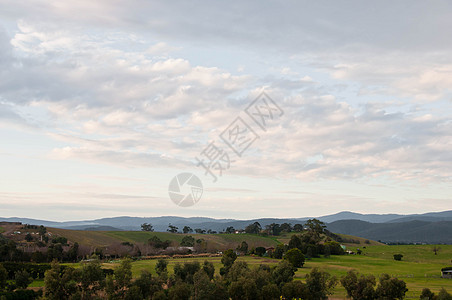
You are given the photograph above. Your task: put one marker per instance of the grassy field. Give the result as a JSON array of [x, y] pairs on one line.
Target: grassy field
[[419, 268]]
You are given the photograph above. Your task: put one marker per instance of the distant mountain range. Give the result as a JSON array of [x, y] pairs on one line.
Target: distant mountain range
[[401, 232], [433, 227]]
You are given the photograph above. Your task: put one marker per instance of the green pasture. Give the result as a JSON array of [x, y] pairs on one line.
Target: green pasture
[[419, 267]]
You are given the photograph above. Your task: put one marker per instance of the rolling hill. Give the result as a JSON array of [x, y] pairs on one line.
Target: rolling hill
[[416, 228]]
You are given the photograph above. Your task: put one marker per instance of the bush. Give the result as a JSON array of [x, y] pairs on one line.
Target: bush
[[427, 294], [359, 287], [21, 295], [443, 295], [398, 256], [391, 288], [260, 251]]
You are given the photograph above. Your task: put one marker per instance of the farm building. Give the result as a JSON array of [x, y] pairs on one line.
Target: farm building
[[446, 272]]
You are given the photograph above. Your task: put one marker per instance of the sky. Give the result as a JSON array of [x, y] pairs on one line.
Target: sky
[[103, 103]]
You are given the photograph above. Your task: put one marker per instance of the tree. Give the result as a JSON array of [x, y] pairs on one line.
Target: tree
[[147, 227], [244, 289], [398, 256], [243, 247], [202, 286], [157, 243], [316, 226], [391, 288], [254, 228], [186, 271], [283, 273], [273, 229], [29, 237], [123, 276], [92, 278], [227, 260], [359, 287], [427, 294], [200, 231], [294, 290], [209, 269], [230, 229], [172, 228], [187, 229], [72, 253], [320, 284], [180, 291], [279, 251], [23, 279], [147, 285], [443, 295], [298, 228], [42, 231], [295, 257], [436, 249], [3, 277], [334, 247], [270, 291], [260, 251], [59, 284], [295, 242], [286, 227], [161, 267], [188, 241]]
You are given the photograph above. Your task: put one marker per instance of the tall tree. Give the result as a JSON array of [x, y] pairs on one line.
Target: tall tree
[[172, 228], [187, 229], [147, 227], [227, 260], [298, 227], [320, 284], [316, 226], [254, 228]]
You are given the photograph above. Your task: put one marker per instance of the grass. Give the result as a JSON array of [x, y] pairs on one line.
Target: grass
[[419, 268]]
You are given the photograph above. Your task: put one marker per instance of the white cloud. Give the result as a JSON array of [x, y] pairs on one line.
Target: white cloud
[[135, 84]]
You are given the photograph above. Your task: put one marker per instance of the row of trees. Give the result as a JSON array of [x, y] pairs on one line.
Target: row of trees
[[174, 229], [254, 228]]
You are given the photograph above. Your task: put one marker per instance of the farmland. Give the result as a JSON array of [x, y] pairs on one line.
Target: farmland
[[419, 267]]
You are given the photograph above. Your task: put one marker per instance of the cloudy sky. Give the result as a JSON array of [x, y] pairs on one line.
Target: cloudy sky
[[103, 102]]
